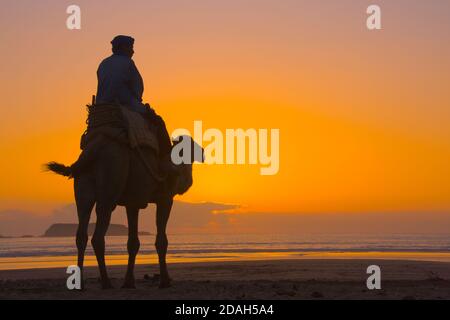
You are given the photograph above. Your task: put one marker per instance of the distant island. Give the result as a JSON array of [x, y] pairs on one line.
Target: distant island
[[70, 230]]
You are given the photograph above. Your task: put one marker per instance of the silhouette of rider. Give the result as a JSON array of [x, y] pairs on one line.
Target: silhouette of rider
[[119, 81]]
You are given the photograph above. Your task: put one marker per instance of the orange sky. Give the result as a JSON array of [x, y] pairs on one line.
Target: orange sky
[[364, 117]]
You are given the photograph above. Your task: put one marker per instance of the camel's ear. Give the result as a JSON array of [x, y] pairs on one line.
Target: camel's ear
[[176, 141]]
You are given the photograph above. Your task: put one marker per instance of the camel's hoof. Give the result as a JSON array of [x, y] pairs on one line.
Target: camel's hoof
[[165, 284]]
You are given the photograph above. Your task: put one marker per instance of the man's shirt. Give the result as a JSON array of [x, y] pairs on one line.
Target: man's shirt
[[120, 81]]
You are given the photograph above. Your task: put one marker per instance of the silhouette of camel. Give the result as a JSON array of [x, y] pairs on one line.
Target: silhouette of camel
[[119, 177]]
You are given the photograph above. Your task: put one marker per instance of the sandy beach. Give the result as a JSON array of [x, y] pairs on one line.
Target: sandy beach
[[272, 279]]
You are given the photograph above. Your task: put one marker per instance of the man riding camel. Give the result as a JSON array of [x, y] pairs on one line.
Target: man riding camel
[[126, 162], [118, 78], [120, 83]]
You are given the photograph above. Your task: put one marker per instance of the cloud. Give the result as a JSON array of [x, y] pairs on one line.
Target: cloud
[[209, 217], [324, 223], [185, 217]]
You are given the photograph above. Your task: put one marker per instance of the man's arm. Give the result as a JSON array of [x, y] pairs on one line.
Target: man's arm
[[136, 87]]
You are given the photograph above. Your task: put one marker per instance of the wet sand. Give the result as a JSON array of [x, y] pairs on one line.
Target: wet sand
[[274, 279]]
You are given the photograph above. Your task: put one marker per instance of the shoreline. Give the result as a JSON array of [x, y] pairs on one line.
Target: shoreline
[[45, 262]]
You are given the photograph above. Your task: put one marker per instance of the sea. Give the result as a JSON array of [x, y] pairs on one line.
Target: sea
[[42, 252]]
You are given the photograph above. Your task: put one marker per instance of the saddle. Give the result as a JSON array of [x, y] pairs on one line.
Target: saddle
[[118, 123]]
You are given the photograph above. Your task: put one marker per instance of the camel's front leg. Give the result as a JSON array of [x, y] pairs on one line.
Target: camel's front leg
[[161, 244], [133, 246]]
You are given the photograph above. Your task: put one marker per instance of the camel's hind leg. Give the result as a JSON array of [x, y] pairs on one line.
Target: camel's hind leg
[[98, 242], [85, 200], [111, 173], [162, 216], [132, 246]]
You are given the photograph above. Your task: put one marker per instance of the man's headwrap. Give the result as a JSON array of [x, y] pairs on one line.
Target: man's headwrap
[[121, 41]]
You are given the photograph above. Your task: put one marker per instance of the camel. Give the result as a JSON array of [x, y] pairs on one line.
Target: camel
[[118, 176]]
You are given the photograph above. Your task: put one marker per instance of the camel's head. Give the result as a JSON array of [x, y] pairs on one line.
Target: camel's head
[[185, 152]]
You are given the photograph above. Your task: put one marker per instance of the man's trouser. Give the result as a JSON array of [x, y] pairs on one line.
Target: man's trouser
[[158, 126]]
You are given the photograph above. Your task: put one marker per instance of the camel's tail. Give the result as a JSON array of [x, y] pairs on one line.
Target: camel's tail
[[59, 168]]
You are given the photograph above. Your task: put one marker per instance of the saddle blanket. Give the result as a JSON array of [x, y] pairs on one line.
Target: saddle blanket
[[139, 133]]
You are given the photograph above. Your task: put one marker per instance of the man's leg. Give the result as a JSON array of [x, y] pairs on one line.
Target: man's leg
[[165, 144], [158, 126], [167, 168]]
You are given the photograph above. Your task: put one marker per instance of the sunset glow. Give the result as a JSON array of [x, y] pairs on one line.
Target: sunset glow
[[364, 117]]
